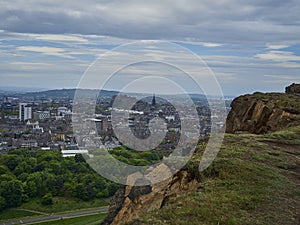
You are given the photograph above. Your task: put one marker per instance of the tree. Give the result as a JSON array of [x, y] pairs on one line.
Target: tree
[[79, 158], [11, 161], [2, 203], [12, 192], [47, 199]]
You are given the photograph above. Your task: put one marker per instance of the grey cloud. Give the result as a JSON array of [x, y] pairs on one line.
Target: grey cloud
[[212, 21]]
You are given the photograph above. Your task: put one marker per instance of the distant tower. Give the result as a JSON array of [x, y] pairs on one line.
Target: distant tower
[[153, 103], [5, 99], [25, 112]]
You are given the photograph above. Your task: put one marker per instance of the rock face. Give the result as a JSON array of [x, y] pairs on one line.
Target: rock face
[[293, 89], [132, 201], [261, 113]]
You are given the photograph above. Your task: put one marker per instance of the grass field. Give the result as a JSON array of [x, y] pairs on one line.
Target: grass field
[[61, 204], [15, 213], [82, 220]]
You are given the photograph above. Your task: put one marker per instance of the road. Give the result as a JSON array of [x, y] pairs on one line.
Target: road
[[56, 216]]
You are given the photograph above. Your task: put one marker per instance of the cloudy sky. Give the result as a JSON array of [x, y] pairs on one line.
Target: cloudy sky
[[249, 45]]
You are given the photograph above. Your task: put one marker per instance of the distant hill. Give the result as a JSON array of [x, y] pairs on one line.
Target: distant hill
[[68, 93]]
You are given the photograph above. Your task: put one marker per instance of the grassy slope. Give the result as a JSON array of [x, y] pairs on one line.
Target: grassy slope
[[15, 213], [254, 180]]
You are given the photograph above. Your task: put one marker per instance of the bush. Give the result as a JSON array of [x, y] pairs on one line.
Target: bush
[[47, 199], [2, 203]]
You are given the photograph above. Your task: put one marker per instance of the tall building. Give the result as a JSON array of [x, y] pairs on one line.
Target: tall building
[[153, 103], [25, 112]]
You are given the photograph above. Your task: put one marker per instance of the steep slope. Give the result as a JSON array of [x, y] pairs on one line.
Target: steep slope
[[254, 180]]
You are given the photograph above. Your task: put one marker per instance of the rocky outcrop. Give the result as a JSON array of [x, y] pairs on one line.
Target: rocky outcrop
[[137, 200], [293, 89], [262, 113]]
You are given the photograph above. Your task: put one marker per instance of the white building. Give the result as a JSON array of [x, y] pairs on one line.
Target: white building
[[72, 153], [41, 115], [34, 126], [62, 111], [25, 112]]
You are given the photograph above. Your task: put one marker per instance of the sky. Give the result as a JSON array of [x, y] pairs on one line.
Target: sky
[[248, 45]]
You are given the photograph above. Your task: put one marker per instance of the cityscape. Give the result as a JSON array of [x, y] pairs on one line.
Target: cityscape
[[149, 112], [46, 123]]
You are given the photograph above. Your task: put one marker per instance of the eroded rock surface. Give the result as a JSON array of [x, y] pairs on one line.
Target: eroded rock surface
[[132, 201], [261, 113]]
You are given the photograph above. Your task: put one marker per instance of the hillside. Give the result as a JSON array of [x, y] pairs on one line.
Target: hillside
[[68, 93], [255, 179]]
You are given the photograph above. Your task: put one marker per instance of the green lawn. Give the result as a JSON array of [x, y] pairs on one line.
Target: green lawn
[[15, 213], [82, 220], [62, 204]]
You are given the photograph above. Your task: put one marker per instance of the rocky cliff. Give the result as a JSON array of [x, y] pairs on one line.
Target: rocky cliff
[[293, 89], [261, 113], [132, 201]]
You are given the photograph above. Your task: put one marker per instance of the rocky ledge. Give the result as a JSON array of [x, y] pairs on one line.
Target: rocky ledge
[[261, 113]]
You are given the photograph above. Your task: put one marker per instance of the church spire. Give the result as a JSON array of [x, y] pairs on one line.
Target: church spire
[[153, 100]]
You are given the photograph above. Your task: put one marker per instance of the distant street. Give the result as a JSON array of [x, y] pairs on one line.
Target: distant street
[[56, 216]]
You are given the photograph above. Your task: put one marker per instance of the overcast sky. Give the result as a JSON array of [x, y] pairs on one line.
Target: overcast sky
[[249, 45]]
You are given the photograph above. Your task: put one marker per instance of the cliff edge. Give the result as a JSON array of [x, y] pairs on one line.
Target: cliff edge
[[262, 113]]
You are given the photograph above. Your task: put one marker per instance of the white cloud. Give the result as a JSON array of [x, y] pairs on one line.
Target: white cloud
[[277, 46], [282, 76], [58, 38], [52, 51], [31, 66], [213, 45], [278, 56]]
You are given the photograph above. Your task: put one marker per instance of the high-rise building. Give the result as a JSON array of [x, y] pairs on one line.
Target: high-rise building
[[25, 112]]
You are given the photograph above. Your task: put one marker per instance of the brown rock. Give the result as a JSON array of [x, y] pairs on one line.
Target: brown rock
[[138, 200], [261, 113], [293, 89]]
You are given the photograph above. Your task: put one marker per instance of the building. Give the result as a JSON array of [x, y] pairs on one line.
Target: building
[[25, 112], [63, 111], [153, 103], [41, 115], [34, 127], [72, 153]]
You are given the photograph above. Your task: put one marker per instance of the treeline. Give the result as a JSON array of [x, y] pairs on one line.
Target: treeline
[[26, 174], [137, 158]]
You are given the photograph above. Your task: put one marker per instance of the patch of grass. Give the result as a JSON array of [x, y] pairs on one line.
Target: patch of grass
[[62, 204], [289, 136], [15, 213], [82, 220], [252, 181]]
